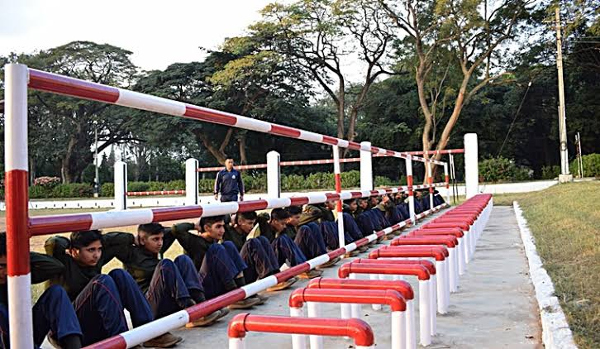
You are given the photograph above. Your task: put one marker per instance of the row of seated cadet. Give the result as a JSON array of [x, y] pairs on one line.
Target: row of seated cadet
[[81, 305]]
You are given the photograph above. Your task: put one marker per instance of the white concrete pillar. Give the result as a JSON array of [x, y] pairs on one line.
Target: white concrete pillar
[[273, 175], [120, 185], [366, 166], [471, 165], [191, 182], [337, 174]]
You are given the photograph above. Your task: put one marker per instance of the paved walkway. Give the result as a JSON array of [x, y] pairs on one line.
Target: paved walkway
[[494, 308]]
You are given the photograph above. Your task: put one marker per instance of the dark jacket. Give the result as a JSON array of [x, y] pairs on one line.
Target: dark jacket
[[43, 268], [138, 261], [229, 183], [232, 235], [75, 277], [194, 245]]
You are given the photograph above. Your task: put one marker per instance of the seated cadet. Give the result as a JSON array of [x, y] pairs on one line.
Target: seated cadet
[[418, 202], [328, 207], [169, 286], [387, 205], [437, 198], [220, 265], [100, 299], [374, 201], [286, 250], [307, 234], [255, 251], [362, 206], [53, 312], [350, 207]]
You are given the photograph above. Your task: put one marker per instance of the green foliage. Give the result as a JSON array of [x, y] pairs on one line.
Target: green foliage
[[550, 172], [63, 191], [591, 166], [501, 169], [107, 190]]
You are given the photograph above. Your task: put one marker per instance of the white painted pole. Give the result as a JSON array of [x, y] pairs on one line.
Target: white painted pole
[[120, 185], [471, 165], [273, 175], [337, 173], [316, 342], [433, 303], [411, 330], [398, 330], [366, 167], [356, 309], [453, 278], [237, 343], [16, 167], [462, 246], [442, 278], [411, 194], [191, 182], [298, 340], [424, 313], [375, 277]]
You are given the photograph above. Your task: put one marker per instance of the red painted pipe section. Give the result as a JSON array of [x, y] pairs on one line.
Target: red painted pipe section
[[447, 240], [438, 252], [392, 298], [363, 268], [356, 329], [463, 226], [401, 286], [437, 231], [427, 264]]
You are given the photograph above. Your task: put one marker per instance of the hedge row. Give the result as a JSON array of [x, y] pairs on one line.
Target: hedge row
[[253, 183]]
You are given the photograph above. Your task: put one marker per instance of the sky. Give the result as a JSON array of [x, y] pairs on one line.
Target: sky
[[157, 32]]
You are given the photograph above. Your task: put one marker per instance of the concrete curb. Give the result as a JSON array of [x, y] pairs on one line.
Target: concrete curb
[[555, 329]]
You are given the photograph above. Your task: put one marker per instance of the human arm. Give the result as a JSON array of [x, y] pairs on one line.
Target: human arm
[[181, 233], [117, 245], [241, 186], [57, 247], [44, 267], [217, 185]]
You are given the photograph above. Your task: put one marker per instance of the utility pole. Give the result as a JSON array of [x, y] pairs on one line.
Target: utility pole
[[97, 177], [565, 175]]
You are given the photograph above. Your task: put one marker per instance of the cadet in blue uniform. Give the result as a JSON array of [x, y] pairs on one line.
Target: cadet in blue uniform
[[229, 183]]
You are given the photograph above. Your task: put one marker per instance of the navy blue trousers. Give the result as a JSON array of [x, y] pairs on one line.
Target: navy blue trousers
[[310, 241], [52, 312], [221, 264], [351, 227], [287, 251], [329, 230], [260, 258], [170, 286], [99, 307], [228, 198]]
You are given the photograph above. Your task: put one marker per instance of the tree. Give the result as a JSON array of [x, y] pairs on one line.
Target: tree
[[322, 36], [445, 33], [61, 129]]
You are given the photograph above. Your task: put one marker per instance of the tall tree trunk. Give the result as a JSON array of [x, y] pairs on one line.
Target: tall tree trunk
[[242, 148]]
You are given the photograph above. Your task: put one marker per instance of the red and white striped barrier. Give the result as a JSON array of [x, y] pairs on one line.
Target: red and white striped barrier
[[358, 330], [314, 296], [148, 331], [42, 225], [156, 192]]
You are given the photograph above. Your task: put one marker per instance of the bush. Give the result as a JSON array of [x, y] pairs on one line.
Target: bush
[[501, 169], [550, 172], [107, 190], [591, 166], [72, 190]]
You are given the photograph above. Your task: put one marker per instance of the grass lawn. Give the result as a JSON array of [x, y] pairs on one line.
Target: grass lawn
[[565, 221]]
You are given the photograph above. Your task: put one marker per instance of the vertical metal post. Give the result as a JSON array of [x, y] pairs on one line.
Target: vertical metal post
[[17, 199], [338, 189], [120, 186], [96, 162], [273, 175], [191, 182], [411, 194]]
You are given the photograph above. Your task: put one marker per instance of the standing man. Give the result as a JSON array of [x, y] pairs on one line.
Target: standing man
[[229, 183]]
